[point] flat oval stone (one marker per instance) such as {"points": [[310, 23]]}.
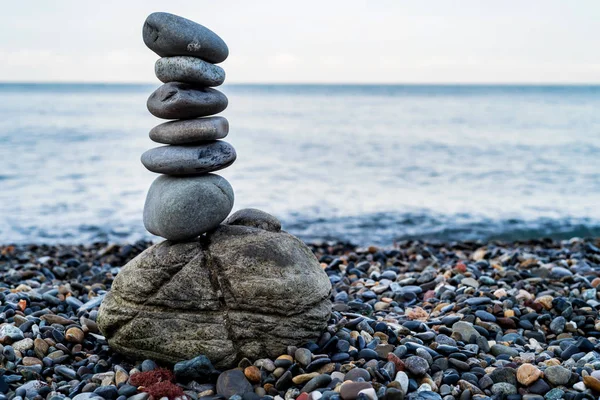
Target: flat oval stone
{"points": [[190, 159], [190, 130], [183, 208], [189, 70], [177, 100], [171, 35]]}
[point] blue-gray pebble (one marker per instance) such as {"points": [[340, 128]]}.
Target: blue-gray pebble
{"points": [[189, 70], [190, 130], [171, 35], [178, 100], [190, 159], [183, 208]]}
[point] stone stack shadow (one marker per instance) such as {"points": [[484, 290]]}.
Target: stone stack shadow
{"points": [[187, 200]]}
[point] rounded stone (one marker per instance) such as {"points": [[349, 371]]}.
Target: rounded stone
{"points": [[190, 130], [417, 365], [183, 208], [237, 292], [198, 368], [465, 330], [350, 390], [303, 356], [503, 389], [255, 218], [171, 35], [74, 335], [557, 375], [232, 382], [592, 383], [23, 345], [189, 70], [358, 373], [178, 100], [527, 374], [319, 381], [189, 159]]}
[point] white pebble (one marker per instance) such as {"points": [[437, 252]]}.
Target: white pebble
{"points": [[426, 387], [315, 395], [402, 378], [370, 393]]}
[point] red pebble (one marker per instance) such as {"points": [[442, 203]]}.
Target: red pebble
{"points": [[536, 306], [430, 294], [398, 363], [506, 322]]}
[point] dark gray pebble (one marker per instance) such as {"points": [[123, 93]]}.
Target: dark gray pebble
{"points": [[199, 368], [65, 371], [358, 373], [417, 365], [317, 382], [176, 100], [107, 392], [189, 70], [485, 316], [171, 35], [127, 390], [190, 130], [232, 382], [368, 354], [189, 159], [148, 365]]}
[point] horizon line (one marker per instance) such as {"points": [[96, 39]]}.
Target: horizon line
{"points": [[316, 83]]}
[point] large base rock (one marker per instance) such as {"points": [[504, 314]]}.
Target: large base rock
{"points": [[240, 291]]}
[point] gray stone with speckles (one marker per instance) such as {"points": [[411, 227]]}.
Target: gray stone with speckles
{"points": [[178, 100], [189, 159], [171, 35], [190, 130], [189, 70]]}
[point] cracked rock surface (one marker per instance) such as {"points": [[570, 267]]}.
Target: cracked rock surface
{"points": [[237, 292]]}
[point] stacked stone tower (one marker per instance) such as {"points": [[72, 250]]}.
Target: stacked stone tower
{"points": [[245, 289], [187, 200]]}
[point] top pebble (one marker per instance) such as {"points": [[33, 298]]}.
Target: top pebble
{"points": [[171, 35]]}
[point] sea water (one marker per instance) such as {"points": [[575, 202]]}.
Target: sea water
{"points": [[359, 163]]}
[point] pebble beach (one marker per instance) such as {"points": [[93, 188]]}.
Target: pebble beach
{"points": [[419, 320]]}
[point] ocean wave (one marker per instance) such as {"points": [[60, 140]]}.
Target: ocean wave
{"points": [[387, 228]]}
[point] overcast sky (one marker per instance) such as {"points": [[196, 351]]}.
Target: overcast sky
{"points": [[346, 41]]}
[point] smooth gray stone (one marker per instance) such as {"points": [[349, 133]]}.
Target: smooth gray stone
{"points": [[178, 100], [171, 35], [183, 208], [190, 130], [189, 70], [193, 159], [233, 382], [237, 292], [255, 218]]}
